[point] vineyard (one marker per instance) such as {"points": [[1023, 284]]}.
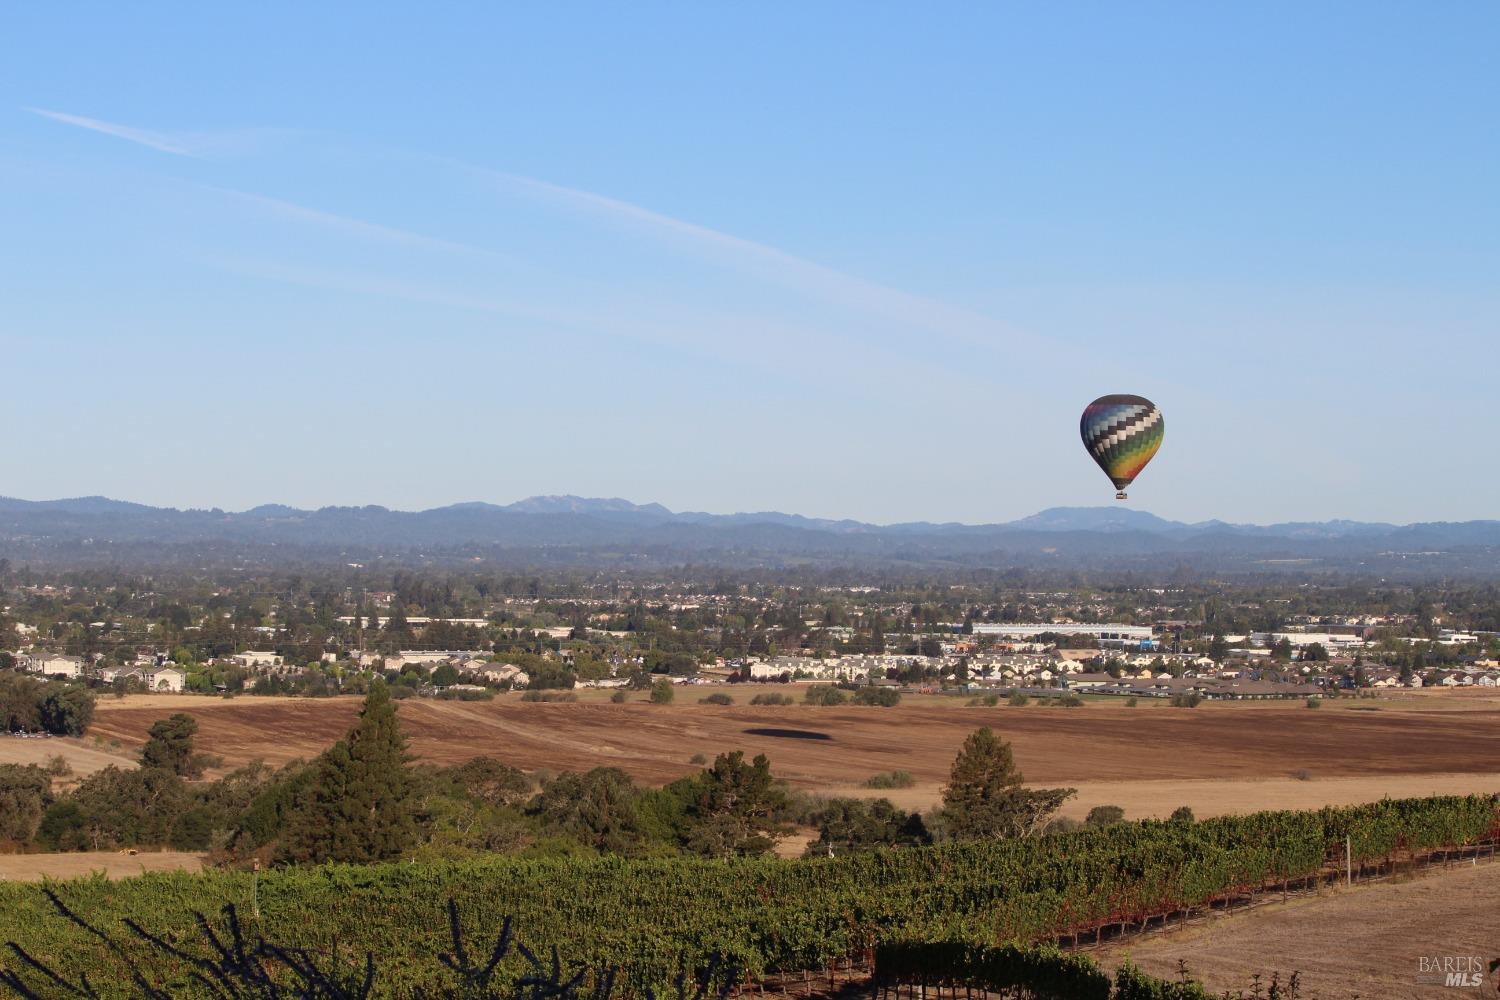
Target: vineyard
{"points": [[653, 917]]}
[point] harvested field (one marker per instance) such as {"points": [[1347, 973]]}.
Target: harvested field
{"points": [[82, 755], [1149, 759], [114, 864], [1361, 941]]}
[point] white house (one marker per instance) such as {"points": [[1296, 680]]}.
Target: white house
{"points": [[54, 665], [499, 673], [166, 679]]}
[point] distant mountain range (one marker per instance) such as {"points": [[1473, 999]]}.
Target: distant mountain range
{"points": [[583, 530]]}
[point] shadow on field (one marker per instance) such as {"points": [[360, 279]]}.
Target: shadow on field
{"points": [[789, 734]]}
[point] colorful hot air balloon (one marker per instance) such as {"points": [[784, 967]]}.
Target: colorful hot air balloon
{"points": [[1122, 433]]}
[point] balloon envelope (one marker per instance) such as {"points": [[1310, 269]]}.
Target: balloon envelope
{"points": [[1121, 432]]}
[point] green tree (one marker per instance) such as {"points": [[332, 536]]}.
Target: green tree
{"points": [[596, 808], [170, 746], [734, 809], [25, 794], [985, 796], [1104, 816], [846, 825], [662, 692], [359, 805], [487, 780], [65, 709]]}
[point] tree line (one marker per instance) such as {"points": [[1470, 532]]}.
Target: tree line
{"points": [[364, 800]]}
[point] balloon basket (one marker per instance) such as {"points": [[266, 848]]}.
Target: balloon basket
{"points": [[1121, 495]]}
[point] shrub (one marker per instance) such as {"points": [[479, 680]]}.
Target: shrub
{"points": [[1130, 702], [618, 698], [773, 699], [1302, 774], [662, 692], [824, 694], [697, 758], [882, 696], [1104, 816], [549, 696], [1190, 699], [717, 698], [1017, 698], [1314, 703], [1070, 700], [890, 779], [1182, 814]]}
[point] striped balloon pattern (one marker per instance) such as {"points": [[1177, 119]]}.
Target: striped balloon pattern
{"points": [[1122, 433]]}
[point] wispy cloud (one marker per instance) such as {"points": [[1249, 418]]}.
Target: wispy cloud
{"points": [[788, 269], [198, 145], [359, 228]]}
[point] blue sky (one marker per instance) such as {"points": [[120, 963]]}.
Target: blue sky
{"points": [[865, 260]]}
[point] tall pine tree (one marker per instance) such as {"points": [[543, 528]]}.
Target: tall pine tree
{"points": [[986, 797], [359, 806]]}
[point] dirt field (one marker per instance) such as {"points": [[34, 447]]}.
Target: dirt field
{"points": [[34, 867], [1364, 941], [83, 756], [1149, 759]]}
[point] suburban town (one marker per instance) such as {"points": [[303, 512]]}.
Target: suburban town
{"points": [[264, 639]]}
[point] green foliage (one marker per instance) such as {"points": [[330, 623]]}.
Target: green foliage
{"points": [[662, 692], [1182, 814], [734, 808], [846, 825], [358, 806], [985, 796], [1017, 698], [115, 808], [596, 808], [1133, 984], [1104, 816], [489, 781], [717, 698], [29, 705], [619, 698], [548, 696], [1190, 699], [25, 794], [884, 697], [169, 746], [667, 912], [773, 698], [1041, 973], [1314, 703], [890, 779], [824, 694]]}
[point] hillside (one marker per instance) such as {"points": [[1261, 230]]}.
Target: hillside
{"points": [[615, 532]]}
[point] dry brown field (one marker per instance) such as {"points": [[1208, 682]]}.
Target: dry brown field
{"points": [[113, 864], [1219, 757], [1362, 941]]}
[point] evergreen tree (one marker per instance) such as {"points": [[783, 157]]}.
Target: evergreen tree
{"points": [[734, 808], [985, 796], [170, 746], [359, 805]]}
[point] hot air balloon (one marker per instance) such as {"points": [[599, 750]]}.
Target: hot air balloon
{"points": [[1122, 433]]}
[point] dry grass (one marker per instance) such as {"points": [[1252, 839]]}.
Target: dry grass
{"points": [[1216, 758], [34, 867], [1362, 941]]}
